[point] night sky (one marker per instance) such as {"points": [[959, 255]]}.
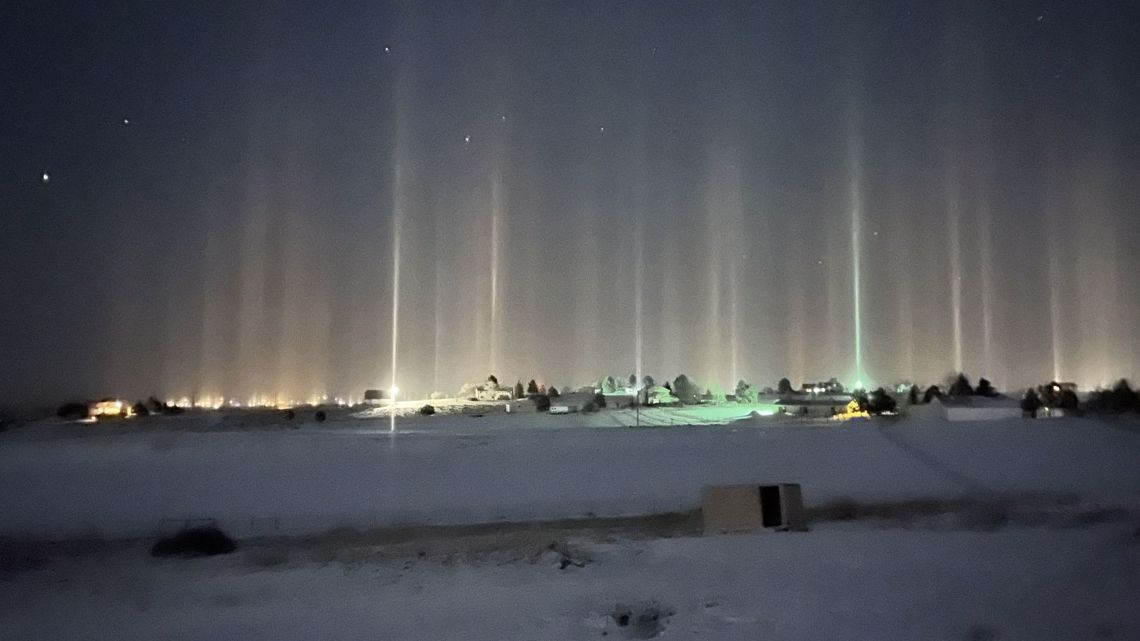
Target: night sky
{"points": [[211, 198]]}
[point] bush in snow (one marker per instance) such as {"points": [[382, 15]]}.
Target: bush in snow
{"points": [[427, 410], [72, 411], [193, 542]]}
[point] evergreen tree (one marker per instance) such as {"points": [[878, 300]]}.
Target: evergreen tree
{"points": [[519, 393], [531, 388], [931, 393], [985, 388], [961, 386], [912, 395], [687, 391], [784, 387], [745, 392], [553, 393]]}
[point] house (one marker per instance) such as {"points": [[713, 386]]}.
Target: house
{"points": [[492, 392], [570, 403], [824, 406], [976, 408], [830, 386]]}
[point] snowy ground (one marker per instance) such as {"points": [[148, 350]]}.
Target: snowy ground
{"points": [[851, 581], [1051, 553]]}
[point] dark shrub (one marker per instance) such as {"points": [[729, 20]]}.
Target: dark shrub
{"points": [[320, 416], [784, 387], [290, 415], [912, 395], [553, 393], [931, 393], [72, 411], [156, 406], [1121, 398], [600, 399], [140, 409], [1068, 400], [985, 388], [192, 542], [1031, 402], [427, 410], [541, 402], [961, 386], [880, 402], [686, 390]]}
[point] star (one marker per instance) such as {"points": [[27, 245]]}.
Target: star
{"points": [[45, 177], [126, 122], [503, 118], [602, 129], [387, 50], [467, 139], [1040, 18]]}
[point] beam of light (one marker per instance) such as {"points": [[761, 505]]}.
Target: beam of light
{"points": [[396, 215], [1053, 272], [638, 275], [496, 222], [734, 326], [855, 195], [985, 248], [954, 215]]}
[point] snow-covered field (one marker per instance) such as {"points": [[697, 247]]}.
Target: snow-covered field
{"points": [[458, 469], [1041, 578]]}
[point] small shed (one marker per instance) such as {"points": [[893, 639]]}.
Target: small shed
{"points": [[752, 507]]}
